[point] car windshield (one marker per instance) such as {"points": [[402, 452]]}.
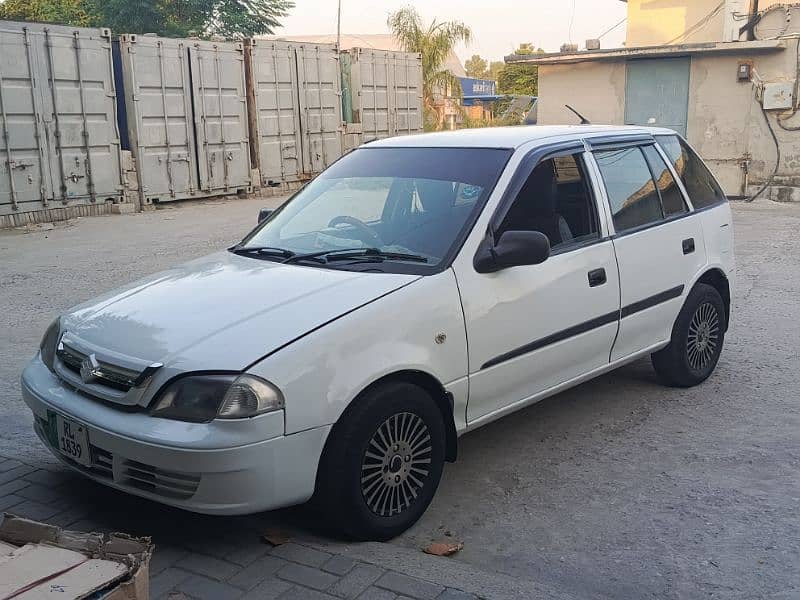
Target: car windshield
{"points": [[405, 208]]}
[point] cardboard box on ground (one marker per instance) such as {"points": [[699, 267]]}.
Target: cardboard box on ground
{"points": [[40, 561]]}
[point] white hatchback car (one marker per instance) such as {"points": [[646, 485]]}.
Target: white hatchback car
{"points": [[419, 288]]}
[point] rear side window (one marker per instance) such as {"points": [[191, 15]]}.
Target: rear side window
{"points": [[671, 196], [631, 190], [700, 184]]}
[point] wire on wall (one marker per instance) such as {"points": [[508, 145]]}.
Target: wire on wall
{"points": [[700, 24]]}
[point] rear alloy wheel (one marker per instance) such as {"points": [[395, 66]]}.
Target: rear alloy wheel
{"points": [[383, 462], [697, 340]]}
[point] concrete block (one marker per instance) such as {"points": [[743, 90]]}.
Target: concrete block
{"points": [[204, 588], [409, 586], [301, 554], [307, 576], [356, 581]]}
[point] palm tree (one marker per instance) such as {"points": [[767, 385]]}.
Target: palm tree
{"points": [[434, 42]]}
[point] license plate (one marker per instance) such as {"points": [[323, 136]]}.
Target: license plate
{"points": [[73, 441]]}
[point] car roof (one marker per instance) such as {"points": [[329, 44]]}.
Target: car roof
{"points": [[510, 137]]}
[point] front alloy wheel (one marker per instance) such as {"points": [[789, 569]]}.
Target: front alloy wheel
{"points": [[396, 464], [382, 462]]}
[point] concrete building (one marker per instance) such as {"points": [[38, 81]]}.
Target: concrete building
{"points": [[722, 73]]}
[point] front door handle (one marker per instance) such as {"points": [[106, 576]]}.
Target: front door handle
{"points": [[597, 277], [688, 246]]}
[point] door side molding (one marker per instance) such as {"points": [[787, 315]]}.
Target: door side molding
{"points": [[587, 326]]}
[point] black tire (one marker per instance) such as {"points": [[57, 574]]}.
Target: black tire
{"points": [[412, 416], [697, 340]]}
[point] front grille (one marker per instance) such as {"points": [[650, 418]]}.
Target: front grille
{"points": [[113, 376], [171, 484], [129, 473]]}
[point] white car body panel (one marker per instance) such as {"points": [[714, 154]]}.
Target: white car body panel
{"points": [[324, 371], [323, 336]]}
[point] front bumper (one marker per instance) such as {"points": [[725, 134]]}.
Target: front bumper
{"points": [[178, 463]]}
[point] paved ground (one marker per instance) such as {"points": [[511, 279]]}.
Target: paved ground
{"points": [[617, 489]]}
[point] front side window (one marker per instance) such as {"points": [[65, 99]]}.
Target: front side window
{"points": [[555, 201], [700, 184], [406, 208], [632, 193]]}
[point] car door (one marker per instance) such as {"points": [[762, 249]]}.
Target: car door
{"points": [[658, 241], [532, 328]]}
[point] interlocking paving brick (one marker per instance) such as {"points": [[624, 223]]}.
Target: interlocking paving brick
{"points": [[451, 594], [305, 594], [164, 557], [300, 554], [6, 464], [254, 574], [12, 486], [40, 493], [373, 593], [69, 517], [165, 581], [9, 501], [339, 565], [35, 510], [307, 576], [15, 473], [204, 588], [208, 566], [246, 552], [410, 586], [47, 477], [356, 581], [269, 589]]}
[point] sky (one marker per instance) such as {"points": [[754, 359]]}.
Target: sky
{"points": [[498, 25]]}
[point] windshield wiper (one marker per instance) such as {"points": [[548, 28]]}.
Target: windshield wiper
{"points": [[263, 251], [361, 254]]}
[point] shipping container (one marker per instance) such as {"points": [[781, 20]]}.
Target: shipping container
{"points": [[295, 109], [383, 93], [186, 114], [59, 141]]}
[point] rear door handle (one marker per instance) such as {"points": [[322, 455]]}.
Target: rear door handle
{"points": [[597, 277], [688, 246]]}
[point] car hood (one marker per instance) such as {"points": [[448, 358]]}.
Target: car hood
{"points": [[221, 312]]}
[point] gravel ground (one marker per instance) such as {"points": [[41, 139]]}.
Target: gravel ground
{"points": [[619, 488]]}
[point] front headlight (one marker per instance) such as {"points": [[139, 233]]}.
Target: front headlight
{"points": [[49, 343], [203, 398]]}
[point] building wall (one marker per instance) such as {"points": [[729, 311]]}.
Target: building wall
{"points": [[726, 124], [658, 22]]}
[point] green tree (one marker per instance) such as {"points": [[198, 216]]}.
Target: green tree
{"points": [[72, 12], [477, 67], [520, 78], [175, 18], [434, 41], [494, 69]]}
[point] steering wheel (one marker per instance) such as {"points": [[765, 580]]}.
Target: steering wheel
{"points": [[371, 234]]}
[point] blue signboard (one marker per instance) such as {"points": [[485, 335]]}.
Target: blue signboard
{"points": [[474, 88]]}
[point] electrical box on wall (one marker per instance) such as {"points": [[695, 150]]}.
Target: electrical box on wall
{"points": [[778, 96]]}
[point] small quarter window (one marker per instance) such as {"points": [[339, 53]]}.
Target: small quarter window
{"points": [[631, 190], [671, 196], [556, 201], [700, 184]]}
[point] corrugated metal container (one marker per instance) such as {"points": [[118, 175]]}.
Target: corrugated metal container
{"points": [[385, 92], [59, 141], [186, 116], [295, 109]]}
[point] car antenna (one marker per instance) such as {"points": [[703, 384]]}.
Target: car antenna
{"points": [[584, 120]]}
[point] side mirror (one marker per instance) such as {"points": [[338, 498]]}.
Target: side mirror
{"points": [[264, 214], [514, 249]]}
